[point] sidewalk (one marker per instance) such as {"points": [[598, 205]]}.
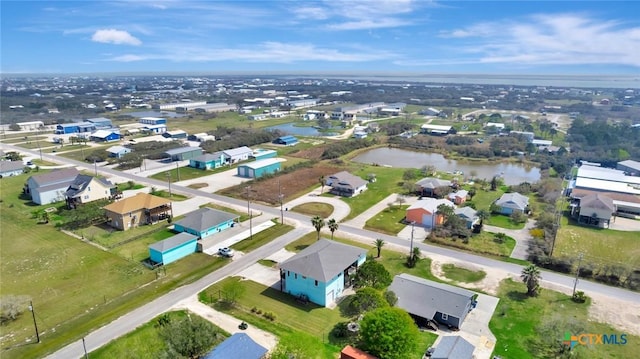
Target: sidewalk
{"points": [[363, 217]]}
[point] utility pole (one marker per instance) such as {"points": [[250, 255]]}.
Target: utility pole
{"points": [[411, 246], [248, 200], [84, 346], [35, 324], [575, 283], [250, 212], [280, 196], [95, 166], [169, 178], [178, 171]]}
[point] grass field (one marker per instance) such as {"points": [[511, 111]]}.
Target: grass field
{"points": [[79, 155], [459, 274], [386, 183], [482, 243], [262, 238], [502, 221], [388, 221], [186, 173], [145, 342], [517, 325], [600, 246], [323, 210]]}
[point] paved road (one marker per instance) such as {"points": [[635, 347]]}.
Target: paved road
{"points": [[143, 314]]}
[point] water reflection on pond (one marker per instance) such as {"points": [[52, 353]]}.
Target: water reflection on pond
{"points": [[300, 131], [513, 173]]}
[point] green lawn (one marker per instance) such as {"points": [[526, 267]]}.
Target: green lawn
{"points": [[125, 186], [79, 155], [482, 243], [21, 138], [323, 210], [39, 162], [109, 237], [388, 221], [600, 246], [165, 194], [502, 221], [387, 180], [517, 321], [186, 173], [262, 238], [145, 342], [459, 274]]}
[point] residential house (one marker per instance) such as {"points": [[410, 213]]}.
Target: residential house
{"points": [[595, 209], [118, 151], [286, 141], [205, 221], [459, 197], [427, 186], [11, 168], [469, 215], [439, 130], [239, 345], [50, 187], [629, 166], [345, 184], [208, 161], [183, 153], [453, 347], [238, 154], [173, 248], [424, 212], [138, 210], [259, 168], [427, 300], [101, 122], [350, 352], [154, 129], [76, 127], [105, 136], [85, 189], [322, 271], [512, 202]]}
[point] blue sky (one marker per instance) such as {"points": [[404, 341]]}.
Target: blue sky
{"points": [[504, 37]]}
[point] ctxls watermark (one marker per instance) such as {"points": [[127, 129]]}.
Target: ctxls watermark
{"points": [[594, 339]]}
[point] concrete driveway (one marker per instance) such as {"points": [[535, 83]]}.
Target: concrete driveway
{"points": [[217, 181], [520, 235], [340, 208], [624, 224]]}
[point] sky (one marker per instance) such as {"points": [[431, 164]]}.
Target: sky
{"points": [[333, 36]]}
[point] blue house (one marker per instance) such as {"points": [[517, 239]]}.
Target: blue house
{"points": [[260, 168], [469, 215], [239, 345], [77, 127], [208, 161], [509, 203], [205, 221], [427, 300], [173, 248], [321, 271], [262, 154], [286, 140]]}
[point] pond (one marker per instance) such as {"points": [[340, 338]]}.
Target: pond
{"points": [[300, 131], [513, 173]]}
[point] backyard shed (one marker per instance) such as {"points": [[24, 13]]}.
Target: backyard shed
{"points": [[173, 248], [259, 168]]}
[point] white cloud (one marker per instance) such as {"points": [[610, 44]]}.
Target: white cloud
{"points": [[267, 52], [547, 39], [113, 36]]}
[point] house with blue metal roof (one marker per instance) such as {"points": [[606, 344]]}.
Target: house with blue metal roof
{"points": [[239, 345], [105, 136], [76, 127], [173, 248], [286, 141]]}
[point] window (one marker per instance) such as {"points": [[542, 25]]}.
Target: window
{"points": [[445, 316], [316, 283], [303, 277], [288, 274], [295, 275]]}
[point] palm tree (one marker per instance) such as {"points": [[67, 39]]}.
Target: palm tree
{"points": [[531, 277], [318, 222], [379, 244], [322, 183], [483, 214], [333, 226]]}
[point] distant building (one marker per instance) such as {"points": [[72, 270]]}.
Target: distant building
{"points": [[175, 135], [105, 136], [153, 121], [183, 153], [629, 166], [155, 129], [261, 154], [78, 127], [118, 151], [101, 122], [438, 130], [286, 141]]}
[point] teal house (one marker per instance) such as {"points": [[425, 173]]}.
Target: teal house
{"points": [[205, 222], [173, 248], [259, 168], [208, 161], [322, 271], [262, 154]]}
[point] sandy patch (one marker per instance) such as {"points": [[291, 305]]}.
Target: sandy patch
{"points": [[489, 284]]}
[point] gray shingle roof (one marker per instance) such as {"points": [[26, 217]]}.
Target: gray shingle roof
{"points": [[597, 201], [345, 179], [81, 182], [55, 177], [465, 212], [323, 260], [181, 150], [172, 242], [205, 218], [433, 183], [10, 166], [453, 347], [424, 298], [513, 200]]}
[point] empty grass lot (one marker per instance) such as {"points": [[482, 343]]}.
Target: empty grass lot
{"points": [[482, 243], [600, 246], [186, 173], [323, 210], [459, 274], [517, 321], [388, 221], [387, 180], [502, 221], [145, 342]]}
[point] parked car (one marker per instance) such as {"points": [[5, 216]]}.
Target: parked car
{"points": [[429, 353], [226, 252]]}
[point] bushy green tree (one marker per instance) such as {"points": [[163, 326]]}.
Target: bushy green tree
{"points": [[372, 274], [366, 299], [389, 333], [190, 337]]}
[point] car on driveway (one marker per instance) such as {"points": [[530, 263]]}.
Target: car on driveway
{"points": [[226, 252]]}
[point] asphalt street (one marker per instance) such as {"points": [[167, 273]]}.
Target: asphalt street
{"points": [[145, 313]]}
